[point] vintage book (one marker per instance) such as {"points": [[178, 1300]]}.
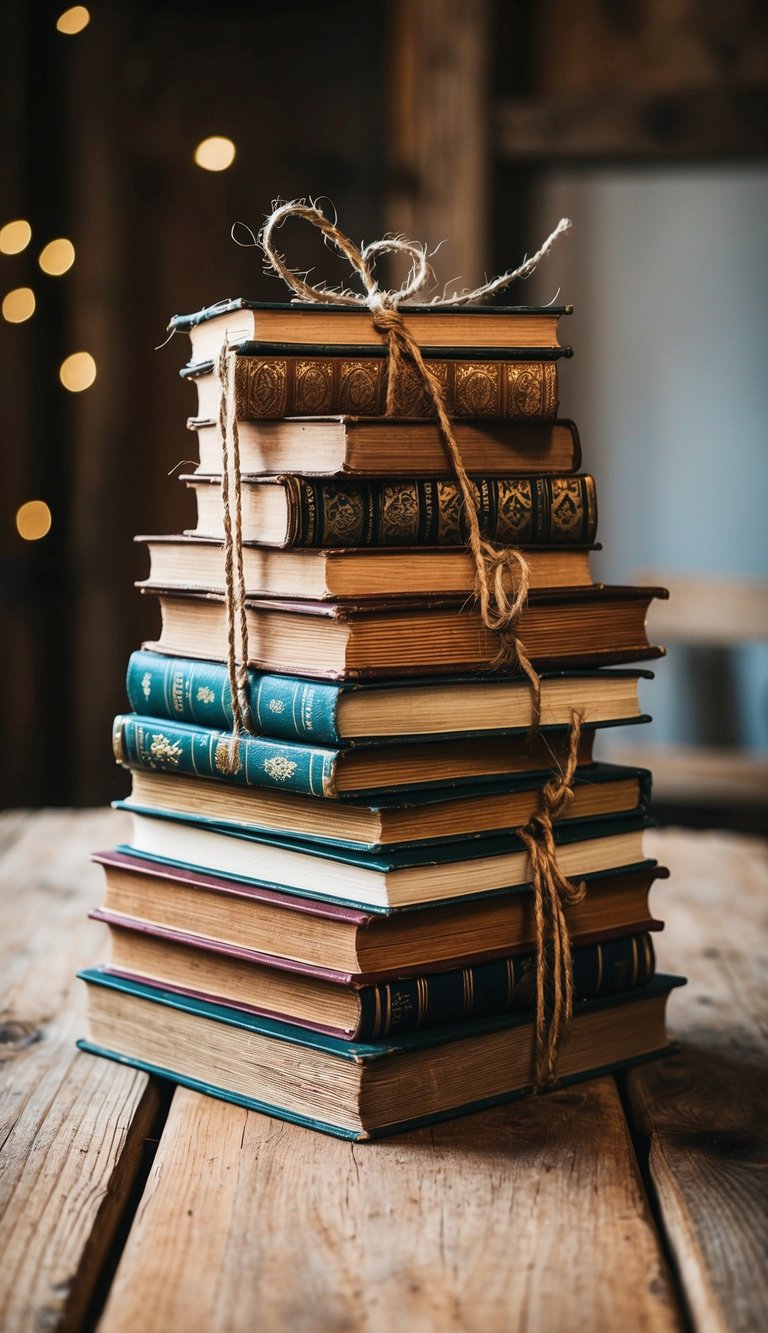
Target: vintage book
{"points": [[372, 945], [283, 381], [344, 714], [602, 626], [350, 446], [315, 512], [197, 564], [391, 878], [334, 1002], [432, 814], [354, 1089], [232, 323], [183, 747]]}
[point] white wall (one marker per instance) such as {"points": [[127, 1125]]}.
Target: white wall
{"points": [[668, 272]]}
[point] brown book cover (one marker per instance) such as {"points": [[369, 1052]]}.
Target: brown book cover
{"points": [[379, 637]]}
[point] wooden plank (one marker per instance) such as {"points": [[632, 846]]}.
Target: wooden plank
{"points": [[531, 1216], [705, 1113], [620, 126], [697, 773], [439, 128], [72, 1127]]}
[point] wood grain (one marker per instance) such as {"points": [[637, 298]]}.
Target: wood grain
{"points": [[527, 1217], [705, 1113], [72, 1128], [439, 133]]}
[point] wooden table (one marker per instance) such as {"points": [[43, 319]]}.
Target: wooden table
{"points": [[633, 1205]]}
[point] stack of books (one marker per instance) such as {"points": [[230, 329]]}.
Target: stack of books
{"points": [[339, 927]]}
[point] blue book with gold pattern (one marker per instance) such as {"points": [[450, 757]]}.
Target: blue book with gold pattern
{"points": [[350, 714]]}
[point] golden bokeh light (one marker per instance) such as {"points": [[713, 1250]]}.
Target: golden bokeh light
{"points": [[57, 256], [33, 520], [19, 305], [73, 20], [15, 237], [78, 372], [215, 154]]}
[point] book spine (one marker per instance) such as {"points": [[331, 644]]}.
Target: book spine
{"points": [[173, 747], [271, 387], [498, 987], [198, 692], [515, 511]]}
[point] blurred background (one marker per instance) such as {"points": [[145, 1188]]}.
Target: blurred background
{"points": [[137, 133]]}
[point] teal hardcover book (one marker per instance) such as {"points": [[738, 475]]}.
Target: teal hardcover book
{"points": [[395, 819], [353, 1089], [334, 714], [393, 878], [259, 761]]}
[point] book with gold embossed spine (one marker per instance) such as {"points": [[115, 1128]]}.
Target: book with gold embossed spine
{"points": [[312, 512], [283, 381]]}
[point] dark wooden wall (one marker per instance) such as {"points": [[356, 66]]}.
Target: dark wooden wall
{"points": [[435, 117], [105, 125]]}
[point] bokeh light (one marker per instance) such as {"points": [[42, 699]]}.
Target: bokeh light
{"points": [[57, 256], [78, 372], [73, 20], [215, 154], [19, 305], [33, 520], [15, 237]]}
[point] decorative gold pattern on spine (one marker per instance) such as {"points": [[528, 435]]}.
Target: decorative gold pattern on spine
{"points": [[648, 956], [510, 982], [421, 1000], [117, 741], [274, 387]]}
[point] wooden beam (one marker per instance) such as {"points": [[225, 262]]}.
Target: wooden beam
{"points": [[705, 1113], [532, 1215], [613, 126], [439, 131], [73, 1128]]}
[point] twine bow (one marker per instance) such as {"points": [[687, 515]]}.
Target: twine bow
{"points": [[501, 573]]}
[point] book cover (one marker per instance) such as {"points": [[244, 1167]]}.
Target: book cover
{"points": [[404, 1003], [299, 709], [514, 511], [284, 381], [360, 1054]]}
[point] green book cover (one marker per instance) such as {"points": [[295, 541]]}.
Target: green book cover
{"points": [[293, 708]]}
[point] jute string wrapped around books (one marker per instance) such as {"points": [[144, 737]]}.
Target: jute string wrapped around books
{"points": [[501, 573]]}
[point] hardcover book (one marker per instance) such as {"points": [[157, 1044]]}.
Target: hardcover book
{"points": [[359, 1090], [351, 713], [302, 511], [601, 626], [352, 446], [284, 381], [344, 1006], [430, 814], [391, 878], [181, 747], [370, 944], [197, 564], [232, 323]]}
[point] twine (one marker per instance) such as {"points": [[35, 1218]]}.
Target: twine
{"points": [[500, 597], [552, 894], [234, 576]]}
